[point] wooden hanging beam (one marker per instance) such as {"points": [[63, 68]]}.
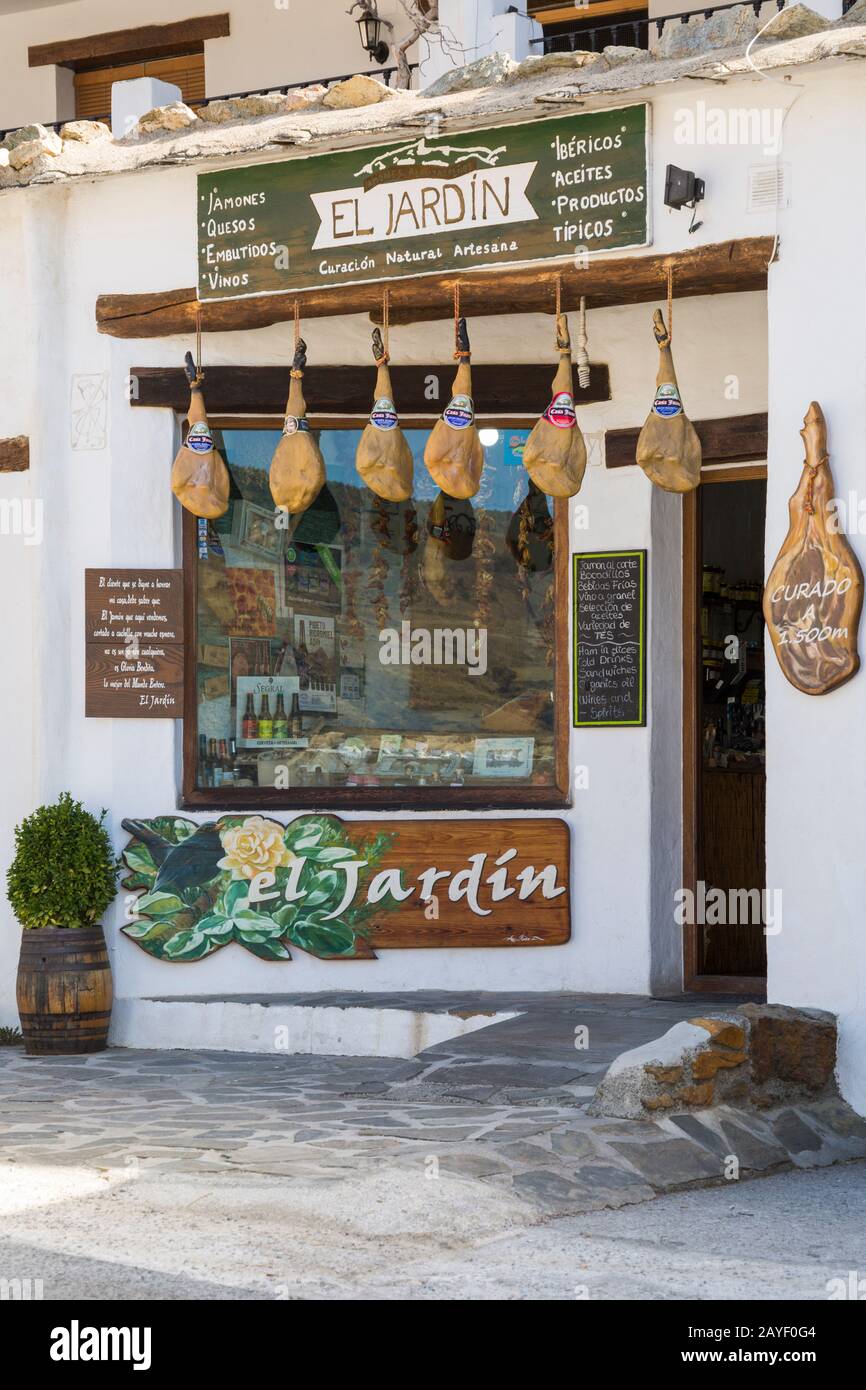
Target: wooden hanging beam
{"points": [[730, 439], [131, 45], [724, 268], [499, 390], [15, 454]]}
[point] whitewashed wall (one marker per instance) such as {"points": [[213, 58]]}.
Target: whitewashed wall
{"points": [[114, 507], [272, 42], [816, 753]]}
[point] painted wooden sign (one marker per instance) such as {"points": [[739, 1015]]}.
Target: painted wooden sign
{"points": [[343, 891], [533, 191], [610, 638], [814, 594], [133, 644]]}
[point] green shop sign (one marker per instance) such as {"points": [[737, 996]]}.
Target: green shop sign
{"points": [[540, 190]]}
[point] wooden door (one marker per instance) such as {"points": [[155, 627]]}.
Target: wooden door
{"points": [[723, 806]]}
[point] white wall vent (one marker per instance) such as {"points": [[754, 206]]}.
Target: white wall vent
{"points": [[769, 187]]}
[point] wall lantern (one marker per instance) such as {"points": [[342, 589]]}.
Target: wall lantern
{"points": [[371, 28]]}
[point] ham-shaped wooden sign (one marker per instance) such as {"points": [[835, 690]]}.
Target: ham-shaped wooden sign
{"points": [[814, 594]]}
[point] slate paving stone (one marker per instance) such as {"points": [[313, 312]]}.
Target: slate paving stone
{"points": [[668, 1162], [795, 1134], [572, 1144], [708, 1138], [524, 1153], [471, 1165], [752, 1150], [838, 1117]]}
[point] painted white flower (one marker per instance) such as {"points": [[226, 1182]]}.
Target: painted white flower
{"points": [[253, 848]]}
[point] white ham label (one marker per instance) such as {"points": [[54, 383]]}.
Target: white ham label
{"points": [[293, 424], [459, 413], [199, 439], [384, 414], [561, 412], [667, 400]]}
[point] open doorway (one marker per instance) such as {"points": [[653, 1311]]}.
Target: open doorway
{"points": [[725, 731]]}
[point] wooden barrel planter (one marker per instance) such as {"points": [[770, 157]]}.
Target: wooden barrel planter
{"points": [[64, 990]]}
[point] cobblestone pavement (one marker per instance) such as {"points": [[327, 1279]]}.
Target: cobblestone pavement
{"points": [[504, 1107], [196, 1175]]}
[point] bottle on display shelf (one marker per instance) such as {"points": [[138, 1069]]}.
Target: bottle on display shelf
{"points": [[216, 774], [295, 723], [250, 725], [281, 723], [266, 723], [302, 657]]}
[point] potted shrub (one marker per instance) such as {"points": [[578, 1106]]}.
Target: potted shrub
{"points": [[61, 881]]}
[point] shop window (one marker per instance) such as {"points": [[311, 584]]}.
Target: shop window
{"points": [[369, 653], [93, 88]]}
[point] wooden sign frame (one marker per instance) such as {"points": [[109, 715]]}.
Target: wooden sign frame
{"points": [[641, 719]]}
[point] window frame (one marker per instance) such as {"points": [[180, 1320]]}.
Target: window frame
{"points": [[377, 798]]}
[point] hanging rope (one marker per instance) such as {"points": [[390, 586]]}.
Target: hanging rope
{"points": [[457, 352], [582, 354], [297, 324], [386, 308], [670, 276], [558, 295], [199, 374]]}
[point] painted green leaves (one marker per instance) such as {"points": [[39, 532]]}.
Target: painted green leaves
{"points": [[252, 881]]}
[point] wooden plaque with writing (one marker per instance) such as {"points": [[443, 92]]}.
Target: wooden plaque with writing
{"points": [[133, 667]]}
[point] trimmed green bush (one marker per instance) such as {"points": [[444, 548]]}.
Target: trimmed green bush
{"points": [[64, 871]]}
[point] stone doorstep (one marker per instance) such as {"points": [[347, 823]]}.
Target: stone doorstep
{"points": [[756, 1056]]}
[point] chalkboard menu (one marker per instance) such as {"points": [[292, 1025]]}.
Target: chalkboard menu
{"points": [[133, 666], [610, 638]]}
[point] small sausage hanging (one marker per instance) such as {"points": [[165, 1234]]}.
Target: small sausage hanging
{"points": [[199, 478], [383, 458], [668, 450], [555, 452], [453, 453], [814, 594], [297, 473]]}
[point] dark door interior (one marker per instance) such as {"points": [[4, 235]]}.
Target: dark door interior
{"points": [[731, 725]]}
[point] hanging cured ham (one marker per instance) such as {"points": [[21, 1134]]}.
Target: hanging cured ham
{"points": [[199, 478], [447, 567], [555, 452], [384, 459], [453, 453], [297, 473], [668, 450], [814, 594]]}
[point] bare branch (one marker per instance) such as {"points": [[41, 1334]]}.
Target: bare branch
{"points": [[422, 23]]}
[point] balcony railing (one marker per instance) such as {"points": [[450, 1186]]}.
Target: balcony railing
{"points": [[638, 33], [384, 75]]}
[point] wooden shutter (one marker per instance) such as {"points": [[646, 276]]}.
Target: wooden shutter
{"points": [[93, 89]]}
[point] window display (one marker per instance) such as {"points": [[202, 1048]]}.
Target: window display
{"points": [[370, 644]]}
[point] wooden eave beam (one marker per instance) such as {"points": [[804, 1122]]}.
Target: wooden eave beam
{"points": [[132, 45], [728, 439], [15, 454], [722, 268], [499, 390]]}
